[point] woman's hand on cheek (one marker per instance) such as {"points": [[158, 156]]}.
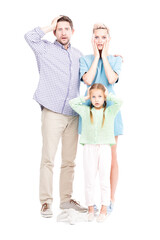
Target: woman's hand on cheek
{"points": [[105, 48], [95, 49]]}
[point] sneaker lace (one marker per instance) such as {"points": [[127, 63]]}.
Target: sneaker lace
{"points": [[44, 207], [74, 202]]}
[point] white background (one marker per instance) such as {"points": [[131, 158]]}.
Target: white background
{"points": [[134, 28]]}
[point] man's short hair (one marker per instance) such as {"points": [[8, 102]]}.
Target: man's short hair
{"points": [[66, 19]]}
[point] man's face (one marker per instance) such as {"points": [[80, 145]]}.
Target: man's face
{"points": [[63, 33], [100, 37]]}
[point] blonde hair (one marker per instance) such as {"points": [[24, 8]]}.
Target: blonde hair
{"points": [[100, 26], [101, 87]]}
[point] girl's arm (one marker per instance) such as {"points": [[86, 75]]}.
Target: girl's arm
{"points": [[77, 106], [117, 103]]}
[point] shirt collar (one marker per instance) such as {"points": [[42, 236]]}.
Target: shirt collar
{"points": [[60, 45], [93, 109]]}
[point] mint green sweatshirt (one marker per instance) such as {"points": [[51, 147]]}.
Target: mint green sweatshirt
{"points": [[94, 133]]}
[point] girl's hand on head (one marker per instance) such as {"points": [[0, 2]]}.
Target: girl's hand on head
{"points": [[106, 92], [88, 94]]}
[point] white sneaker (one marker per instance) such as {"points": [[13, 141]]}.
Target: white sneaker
{"points": [[46, 210], [74, 205], [101, 217], [90, 217]]}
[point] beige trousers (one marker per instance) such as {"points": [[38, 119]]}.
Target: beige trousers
{"points": [[57, 126]]}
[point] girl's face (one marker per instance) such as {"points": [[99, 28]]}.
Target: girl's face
{"points": [[97, 98], [100, 37]]}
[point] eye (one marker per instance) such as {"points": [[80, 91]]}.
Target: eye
{"points": [[93, 96], [104, 37], [96, 37]]}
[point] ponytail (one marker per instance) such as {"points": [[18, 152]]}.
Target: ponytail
{"points": [[105, 105], [91, 115]]}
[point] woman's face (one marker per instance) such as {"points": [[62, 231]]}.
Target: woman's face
{"points": [[100, 37]]}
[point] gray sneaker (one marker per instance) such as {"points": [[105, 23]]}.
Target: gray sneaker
{"points": [[73, 204], [46, 210]]}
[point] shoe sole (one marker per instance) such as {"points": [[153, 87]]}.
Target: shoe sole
{"points": [[101, 221], [46, 215], [81, 211]]}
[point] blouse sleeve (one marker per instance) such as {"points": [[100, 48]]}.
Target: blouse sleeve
{"points": [[117, 66], [83, 67]]}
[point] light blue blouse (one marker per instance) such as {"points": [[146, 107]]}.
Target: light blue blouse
{"points": [[100, 77]]}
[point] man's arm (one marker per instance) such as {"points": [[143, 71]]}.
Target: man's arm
{"points": [[51, 27], [34, 37]]}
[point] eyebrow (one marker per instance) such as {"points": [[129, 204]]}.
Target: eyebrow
{"points": [[101, 36]]}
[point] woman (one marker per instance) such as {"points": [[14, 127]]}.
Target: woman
{"points": [[104, 68]]}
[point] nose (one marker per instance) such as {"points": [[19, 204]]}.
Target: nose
{"points": [[63, 32]]}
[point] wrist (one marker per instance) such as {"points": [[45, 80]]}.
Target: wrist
{"points": [[96, 57], [47, 29], [86, 98], [104, 56]]}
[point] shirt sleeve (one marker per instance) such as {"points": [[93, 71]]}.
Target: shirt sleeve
{"points": [[77, 106], [33, 38], [83, 67], [117, 103], [117, 66]]}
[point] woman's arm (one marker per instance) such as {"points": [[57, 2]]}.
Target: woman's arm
{"points": [[90, 75], [110, 74]]}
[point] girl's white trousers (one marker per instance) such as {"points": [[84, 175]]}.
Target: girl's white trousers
{"points": [[97, 157]]}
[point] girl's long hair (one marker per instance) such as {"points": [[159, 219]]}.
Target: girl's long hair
{"points": [[101, 87]]}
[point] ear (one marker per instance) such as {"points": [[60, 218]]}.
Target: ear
{"points": [[54, 32], [73, 31]]}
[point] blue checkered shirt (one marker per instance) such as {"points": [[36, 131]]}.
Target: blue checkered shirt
{"points": [[59, 73]]}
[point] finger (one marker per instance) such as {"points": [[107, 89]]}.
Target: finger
{"points": [[92, 40], [56, 18]]}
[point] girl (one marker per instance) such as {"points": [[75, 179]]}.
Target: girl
{"points": [[97, 135], [100, 67]]}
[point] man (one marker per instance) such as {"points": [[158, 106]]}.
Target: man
{"points": [[58, 65]]}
